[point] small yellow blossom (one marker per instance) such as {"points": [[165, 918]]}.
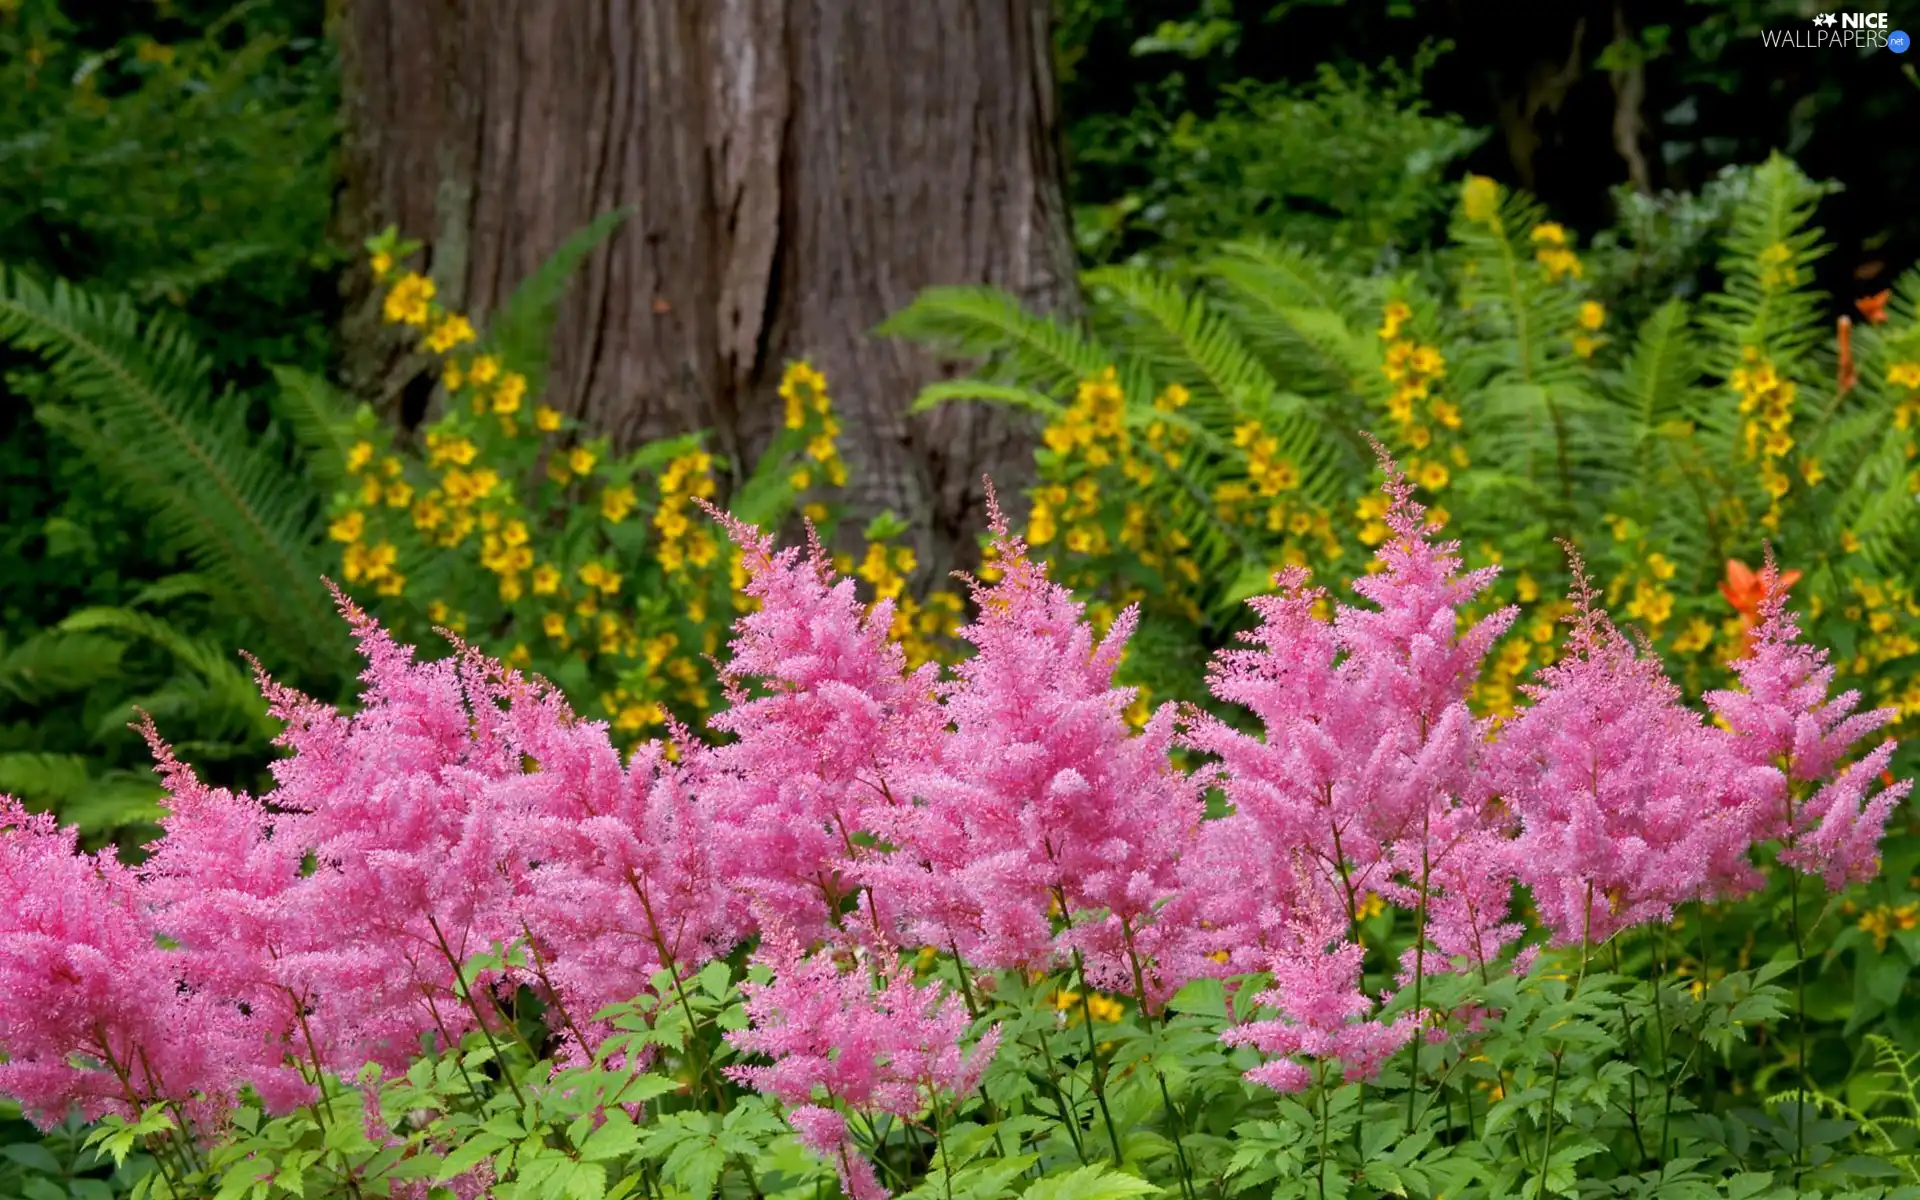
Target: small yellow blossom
{"points": [[546, 419], [1593, 314], [455, 330], [617, 502], [349, 527], [409, 303], [1480, 198], [580, 460], [359, 456]]}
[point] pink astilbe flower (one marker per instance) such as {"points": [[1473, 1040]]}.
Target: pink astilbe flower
{"points": [[1044, 797], [836, 1037], [627, 883], [93, 1014], [1791, 736], [815, 758], [1323, 1016], [1371, 774], [216, 882], [406, 838], [1627, 803]]}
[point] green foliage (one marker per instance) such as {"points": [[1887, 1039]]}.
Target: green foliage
{"points": [[1577, 1078], [1350, 166], [1500, 383]]}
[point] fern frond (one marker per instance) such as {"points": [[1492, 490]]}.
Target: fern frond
{"points": [[976, 322], [946, 391], [1767, 301], [320, 419], [50, 663], [136, 402]]}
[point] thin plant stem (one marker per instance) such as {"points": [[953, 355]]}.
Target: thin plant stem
{"points": [[1559, 1055], [466, 997], [1068, 1114], [1633, 1083], [1419, 975]]}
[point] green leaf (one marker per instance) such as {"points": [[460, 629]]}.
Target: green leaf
{"points": [[617, 1137], [1093, 1182]]}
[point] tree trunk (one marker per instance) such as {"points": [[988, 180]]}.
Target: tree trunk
{"points": [[797, 169]]}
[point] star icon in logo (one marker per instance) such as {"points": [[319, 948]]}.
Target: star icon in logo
{"points": [[1825, 19]]}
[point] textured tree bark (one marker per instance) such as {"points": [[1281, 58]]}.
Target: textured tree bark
{"points": [[798, 169]]}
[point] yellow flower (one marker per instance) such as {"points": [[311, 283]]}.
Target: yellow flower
{"points": [[451, 378], [1396, 314], [1433, 476], [1593, 314], [1904, 374], [399, 494], [454, 331], [545, 419], [1584, 346], [1661, 566], [359, 456], [804, 389], [1480, 197], [1694, 637], [512, 390], [617, 502], [1811, 472], [546, 579], [410, 300], [580, 460], [349, 527], [1550, 233], [554, 625], [1427, 360], [382, 262], [484, 369], [510, 588], [427, 514]]}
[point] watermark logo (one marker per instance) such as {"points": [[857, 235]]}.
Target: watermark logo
{"points": [[1841, 31]]}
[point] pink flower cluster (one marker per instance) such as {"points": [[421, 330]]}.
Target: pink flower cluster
{"points": [[858, 810]]}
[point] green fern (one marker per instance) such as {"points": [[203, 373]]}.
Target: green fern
{"points": [[135, 397]]}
